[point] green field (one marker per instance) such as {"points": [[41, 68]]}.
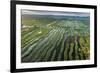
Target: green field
{"points": [[44, 40]]}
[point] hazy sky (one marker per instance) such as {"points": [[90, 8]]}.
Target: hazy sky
{"points": [[30, 12]]}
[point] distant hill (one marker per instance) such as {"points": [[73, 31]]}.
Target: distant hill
{"points": [[26, 16]]}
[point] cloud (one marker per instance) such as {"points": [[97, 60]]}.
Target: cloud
{"points": [[55, 13]]}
